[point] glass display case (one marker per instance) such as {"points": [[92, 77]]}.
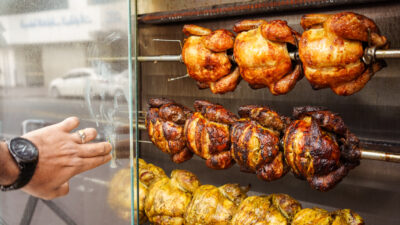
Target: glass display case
{"points": [[103, 60], [59, 59]]}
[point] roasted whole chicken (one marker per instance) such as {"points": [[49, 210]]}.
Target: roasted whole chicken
{"points": [[317, 216], [262, 55], [168, 199], [165, 122], [319, 148], [119, 195], [211, 205], [207, 132], [206, 60], [255, 142], [331, 49], [275, 209], [181, 200]]}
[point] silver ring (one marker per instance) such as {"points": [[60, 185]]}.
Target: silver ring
{"points": [[82, 134]]}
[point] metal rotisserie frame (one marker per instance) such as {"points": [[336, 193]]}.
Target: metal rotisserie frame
{"points": [[372, 114]]}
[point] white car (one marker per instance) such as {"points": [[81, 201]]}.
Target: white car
{"points": [[81, 82]]}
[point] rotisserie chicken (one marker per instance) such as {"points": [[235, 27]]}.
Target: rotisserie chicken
{"points": [[208, 135], [165, 122], [331, 49], [319, 147], [181, 200], [168, 199], [261, 53], [211, 205], [346, 217], [275, 209], [255, 142], [119, 195], [317, 216], [206, 60]]}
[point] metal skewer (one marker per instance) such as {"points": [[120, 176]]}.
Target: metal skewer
{"points": [[365, 154], [378, 54], [381, 156], [387, 54], [178, 78]]}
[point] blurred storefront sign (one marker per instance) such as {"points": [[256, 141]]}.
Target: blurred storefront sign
{"points": [[55, 26]]}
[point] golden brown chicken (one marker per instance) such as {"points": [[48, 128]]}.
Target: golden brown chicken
{"points": [[317, 216], [119, 195], [255, 142], [346, 217], [262, 55], [319, 148], [314, 216], [168, 199], [206, 60], [275, 209], [211, 205], [165, 121], [331, 49], [207, 134]]}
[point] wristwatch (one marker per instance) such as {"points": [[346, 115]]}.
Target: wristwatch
{"points": [[26, 155]]}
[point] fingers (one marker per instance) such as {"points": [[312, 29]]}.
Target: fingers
{"points": [[90, 163], [86, 135], [94, 149], [69, 124]]}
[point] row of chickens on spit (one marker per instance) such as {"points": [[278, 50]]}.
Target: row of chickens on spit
{"points": [[181, 199], [315, 144], [330, 50]]}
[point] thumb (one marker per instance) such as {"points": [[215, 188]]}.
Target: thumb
{"points": [[68, 124]]}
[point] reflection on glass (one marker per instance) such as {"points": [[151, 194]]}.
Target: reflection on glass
{"points": [[61, 58]]}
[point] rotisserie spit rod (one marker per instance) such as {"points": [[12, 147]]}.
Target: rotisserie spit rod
{"points": [[377, 54], [365, 154], [381, 156]]}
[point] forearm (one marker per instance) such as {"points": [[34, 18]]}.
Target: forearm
{"points": [[8, 168]]}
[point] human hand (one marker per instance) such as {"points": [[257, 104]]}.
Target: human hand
{"points": [[62, 155]]}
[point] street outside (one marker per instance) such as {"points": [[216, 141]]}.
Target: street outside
{"points": [[19, 104], [88, 191]]}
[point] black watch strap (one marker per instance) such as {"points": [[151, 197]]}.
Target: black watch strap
{"points": [[25, 175], [26, 163]]}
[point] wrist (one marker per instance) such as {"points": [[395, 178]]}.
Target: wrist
{"points": [[9, 170]]}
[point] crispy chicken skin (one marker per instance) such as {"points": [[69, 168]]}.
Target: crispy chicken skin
{"points": [[119, 195], [207, 132], [214, 205], [331, 49], [255, 142], [317, 216], [206, 60], [261, 53], [346, 217], [314, 216], [319, 148], [168, 199], [275, 209], [165, 121]]}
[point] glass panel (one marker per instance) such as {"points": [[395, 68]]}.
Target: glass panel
{"points": [[69, 58]]}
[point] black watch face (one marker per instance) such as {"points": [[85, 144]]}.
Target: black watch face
{"points": [[24, 149]]}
